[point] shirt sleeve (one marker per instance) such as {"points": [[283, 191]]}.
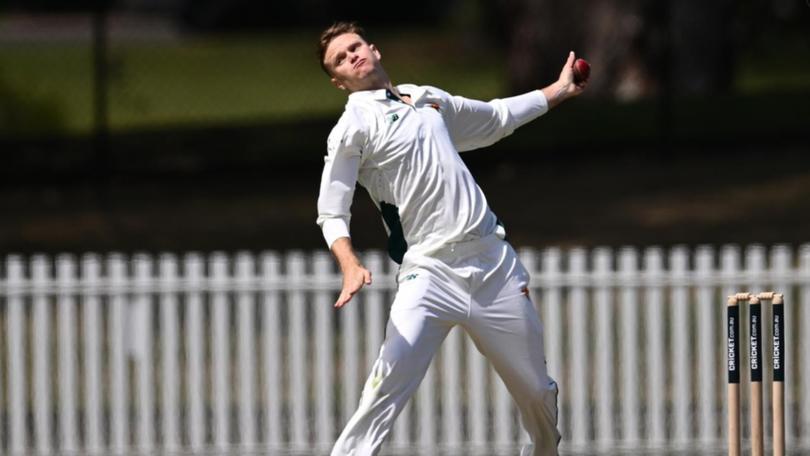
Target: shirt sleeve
{"points": [[474, 124], [340, 171]]}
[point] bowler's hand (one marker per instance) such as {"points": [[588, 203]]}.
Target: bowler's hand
{"points": [[564, 88], [354, 278], [567, 77]]}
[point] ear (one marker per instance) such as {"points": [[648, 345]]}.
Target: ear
{"points": [[337, 83], [375, 51]]}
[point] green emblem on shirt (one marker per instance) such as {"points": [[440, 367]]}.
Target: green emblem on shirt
{"points": [[393, 118]]}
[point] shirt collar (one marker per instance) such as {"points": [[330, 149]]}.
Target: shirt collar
{"points": [[414, 91]]}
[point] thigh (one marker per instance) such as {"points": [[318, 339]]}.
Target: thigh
{"points": [[509, 333], [421, 316]]}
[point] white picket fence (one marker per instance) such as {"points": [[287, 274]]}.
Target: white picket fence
{"points": [[193, 353]]}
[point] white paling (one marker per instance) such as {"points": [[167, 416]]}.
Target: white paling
{"points": [[605, 360], [708, 373], [195, 345], [297, 338], [142, 351], [681, 348], [656, 371], [42, 375], [119, 373], [630, 317], [220, 324], [476, 399], [324, 431], [272, 350], [66, 343], [579, 336], [245, 301], [91, 273], [169, 330], [16, 356], [451, 400], [551, 303]]}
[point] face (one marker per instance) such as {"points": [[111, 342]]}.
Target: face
{"points": [[354, 64]]}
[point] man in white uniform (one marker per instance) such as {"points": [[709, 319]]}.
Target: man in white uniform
{"points": [[402, 144]]}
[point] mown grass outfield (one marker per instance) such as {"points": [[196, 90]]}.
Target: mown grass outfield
{"points": [[222, 80], [226, 80]]}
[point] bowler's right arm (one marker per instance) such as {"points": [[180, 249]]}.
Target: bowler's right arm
{"points": [[339, 178]]}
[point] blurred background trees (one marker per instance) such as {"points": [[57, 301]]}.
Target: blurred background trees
{"points": [[201, 123]]}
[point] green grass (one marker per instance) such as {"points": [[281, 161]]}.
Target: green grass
{"points": [[48, 87], [219, 81]]}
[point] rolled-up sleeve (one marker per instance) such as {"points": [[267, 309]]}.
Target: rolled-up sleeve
{"points": [[339, 178], [474, 124]]}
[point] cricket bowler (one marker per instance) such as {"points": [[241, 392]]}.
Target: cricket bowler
{"points": [[402, 143]]}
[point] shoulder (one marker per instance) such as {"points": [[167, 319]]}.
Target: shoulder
{"points": [[354, 127]]}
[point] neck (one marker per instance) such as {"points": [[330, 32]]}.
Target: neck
{"points": [[380, 80]]}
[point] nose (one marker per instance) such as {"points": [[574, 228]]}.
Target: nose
{"points": [[353, 58]]}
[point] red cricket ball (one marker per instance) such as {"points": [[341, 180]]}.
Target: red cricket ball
{"points": [[582, 71]]}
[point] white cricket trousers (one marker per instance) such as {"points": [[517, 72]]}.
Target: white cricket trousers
{"points": [[481, 286]]}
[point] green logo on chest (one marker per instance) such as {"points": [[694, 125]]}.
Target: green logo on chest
{"points": [[393, 118]]}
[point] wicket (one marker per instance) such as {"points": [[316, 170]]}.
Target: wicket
{"points": [[755, 359]]}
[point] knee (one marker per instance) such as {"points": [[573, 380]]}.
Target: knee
{"points": [[543, 394]]}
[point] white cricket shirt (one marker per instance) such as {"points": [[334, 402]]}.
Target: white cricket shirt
{"points": [[407, 158]]}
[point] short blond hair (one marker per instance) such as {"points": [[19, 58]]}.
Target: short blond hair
{"points": [[335, 30]]}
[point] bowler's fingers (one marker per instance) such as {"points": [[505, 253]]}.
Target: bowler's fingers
{"points": [[567, 73], [350, 289], [345, 297]]}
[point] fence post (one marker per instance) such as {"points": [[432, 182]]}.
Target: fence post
{"points": [[297, 351], [579, 337], [451, 400], [246, 308], [708, 378], [169, 330], [628, 338], [220, 350], [655, 315], [15, 281], [604, 317], [43, 373], [118, 334], [195, 347], [66, 333], [91, 273], [552, 280], [272, 350], [681, 349], [324, 378], [141, 316]]}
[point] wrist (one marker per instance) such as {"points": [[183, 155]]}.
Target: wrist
{"points": [[350, 265], [555, 93]]}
